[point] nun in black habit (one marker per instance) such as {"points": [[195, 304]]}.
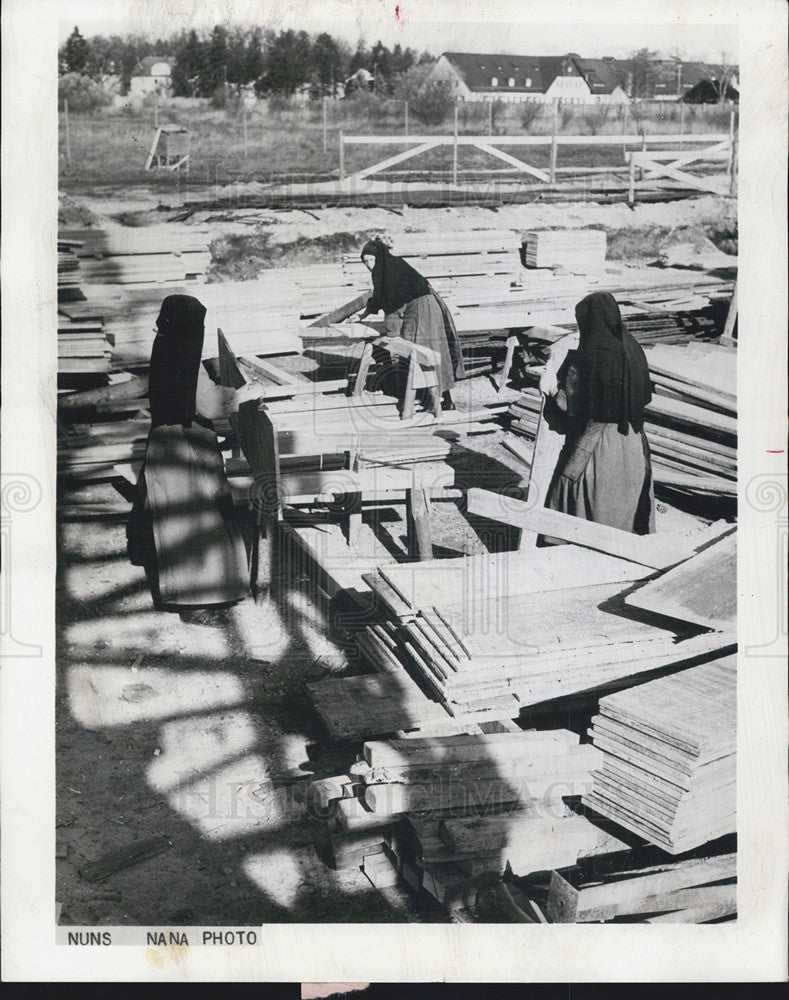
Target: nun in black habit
{"points": [[181, 527], [413, 311], [604, 473]]}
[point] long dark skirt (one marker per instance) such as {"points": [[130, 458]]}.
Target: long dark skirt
{"points": [[181, 527], [427, 321], [605, 476]]}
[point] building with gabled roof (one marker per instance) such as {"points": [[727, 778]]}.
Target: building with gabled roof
{"points": [[152, 75], [487, 76]]}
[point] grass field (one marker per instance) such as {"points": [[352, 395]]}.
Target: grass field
{"points": [[109, 148]]}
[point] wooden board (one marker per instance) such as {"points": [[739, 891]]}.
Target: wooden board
{"points": [[569, 904], [376, 704], [657, 551], [702, 590]]}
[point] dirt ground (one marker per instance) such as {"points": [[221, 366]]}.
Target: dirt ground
{"points": [[199, 733]]}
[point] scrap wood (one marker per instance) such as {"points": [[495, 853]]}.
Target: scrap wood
{"points": [[663, 888], [125, 857], [136, 385]]}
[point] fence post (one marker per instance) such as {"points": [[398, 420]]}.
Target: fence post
{"points": [[731, 145], [681, 121], [733, 182], [156, 110], [631, 185], [406, 116], [643, 150], [552, 174], [325, 137], [455, 149], [244, 124], [68, 137], [490, 117], [342, 158], [624, 128]]}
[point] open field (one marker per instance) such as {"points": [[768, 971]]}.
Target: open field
{"points": [[109, 148]]}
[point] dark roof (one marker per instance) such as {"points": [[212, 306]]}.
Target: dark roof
{"points": [[600, 74], [144, 66], [694, 72], [706, 92], [479, 68]]}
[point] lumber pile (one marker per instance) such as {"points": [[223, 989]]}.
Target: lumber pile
{"points": [[669, 757], [149, 255], [83, 345], [69, 275], [483, 637], [691, 422], [491, 294], [445, 810], [262, 317], [694, 890], [580, 250]]}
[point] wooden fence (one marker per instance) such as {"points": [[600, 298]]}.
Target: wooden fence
{"points": [[669, 161]]}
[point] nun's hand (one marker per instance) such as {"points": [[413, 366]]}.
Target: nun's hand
{"points": [[252, 390], [549, 384]]}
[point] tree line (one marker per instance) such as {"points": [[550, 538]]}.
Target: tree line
{"points": [[206, 63]]}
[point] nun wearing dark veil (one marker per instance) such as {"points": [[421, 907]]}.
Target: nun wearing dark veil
{"points": [[181, 527], [604, 473], [414, 311]]}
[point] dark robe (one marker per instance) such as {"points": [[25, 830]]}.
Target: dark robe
{"points": [[414, 311], [604, 473], [181, 528]]}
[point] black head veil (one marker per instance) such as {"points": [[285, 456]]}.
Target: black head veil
{"points": [[614, 375], [175, 360]]}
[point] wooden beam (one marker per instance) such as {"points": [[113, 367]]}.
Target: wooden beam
{"points": [[342, 312], [528, 140], [513, 161], [260, 367], [420, 542], [656, 551], [391, 161]]}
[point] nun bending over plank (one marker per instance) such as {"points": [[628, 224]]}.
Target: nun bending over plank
{"points": [[414, 311], [604, 473], [182, 527]]}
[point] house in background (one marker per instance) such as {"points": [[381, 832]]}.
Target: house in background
{"points": [[152, 75], [702, 83], [604, 78], [475, 76]]}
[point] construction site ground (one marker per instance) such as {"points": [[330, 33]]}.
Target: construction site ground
{"points": [[199, 732]]}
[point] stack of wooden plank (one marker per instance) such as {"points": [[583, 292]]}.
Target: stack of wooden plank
{"points": [[691, 422], [83, 346], [506, 633], [262, 317], [581, 250], [471, 773], [154, 254], [694, 890], [671, 327], [447, 809], [69, 274], [669, 757]]}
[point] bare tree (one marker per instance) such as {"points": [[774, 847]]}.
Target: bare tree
{"points": [[723, 77]]}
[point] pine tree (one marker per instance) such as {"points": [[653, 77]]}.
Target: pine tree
{"points": [[188, 63], [76, 53]]}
